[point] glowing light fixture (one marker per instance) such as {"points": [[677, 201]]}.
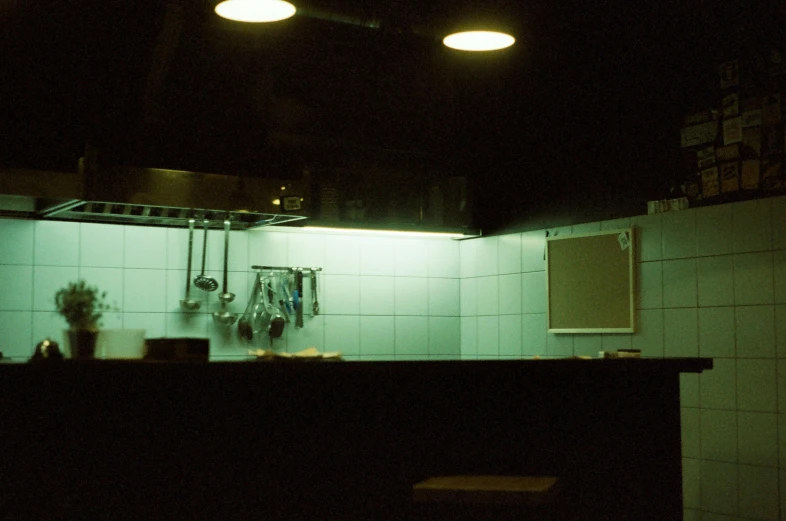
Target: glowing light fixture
{"points": [[478, 41], [255, 11]]}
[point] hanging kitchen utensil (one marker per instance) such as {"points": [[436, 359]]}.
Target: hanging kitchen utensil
{"points": [[314, 301], [299, 284], [225, 295], [277, 321], [244, 327], [189, 304], [223, 316], [284, 297], [260, 318], [202, 281]]}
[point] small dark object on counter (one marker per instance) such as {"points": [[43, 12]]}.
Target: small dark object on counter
{"points": [[180, 349], [46, 350]]}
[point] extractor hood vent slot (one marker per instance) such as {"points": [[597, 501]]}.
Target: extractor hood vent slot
{"points": [[170, 216]]}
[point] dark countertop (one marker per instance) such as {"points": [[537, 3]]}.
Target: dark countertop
{"points": [[333, 440], [568, 365]]}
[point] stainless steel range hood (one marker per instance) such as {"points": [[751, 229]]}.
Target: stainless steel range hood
{"points": [[152, 196]]}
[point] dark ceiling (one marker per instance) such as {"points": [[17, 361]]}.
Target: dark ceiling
{"points": [[579, 120]]}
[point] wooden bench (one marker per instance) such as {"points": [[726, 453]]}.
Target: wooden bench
{"points": [[523, 493]]}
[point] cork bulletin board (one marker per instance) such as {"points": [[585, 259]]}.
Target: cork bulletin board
{"points": [[590, 282]]}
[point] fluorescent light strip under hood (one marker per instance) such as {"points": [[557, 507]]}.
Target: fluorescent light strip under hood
{"points": [[396, 233]]}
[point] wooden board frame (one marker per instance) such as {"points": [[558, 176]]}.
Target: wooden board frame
{"points": [[590, 282]]}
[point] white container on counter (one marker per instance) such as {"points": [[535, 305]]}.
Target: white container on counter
{"points": [[120, 343]]}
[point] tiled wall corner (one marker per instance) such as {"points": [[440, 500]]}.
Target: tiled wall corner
{"points": [[711, 282]]}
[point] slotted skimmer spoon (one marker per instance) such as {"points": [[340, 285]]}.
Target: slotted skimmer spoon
{"points": [[189, 304], [202, 281]]}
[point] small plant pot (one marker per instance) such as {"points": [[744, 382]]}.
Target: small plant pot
{"points": [[81, 343]]}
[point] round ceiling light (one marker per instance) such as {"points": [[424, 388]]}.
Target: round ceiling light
{"points": [[478, 41], [255, 11]]}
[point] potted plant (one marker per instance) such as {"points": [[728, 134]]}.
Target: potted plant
{"points": [[82, 306]]}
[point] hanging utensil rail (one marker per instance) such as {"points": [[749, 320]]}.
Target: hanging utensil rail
{"points": [[286, 269]]}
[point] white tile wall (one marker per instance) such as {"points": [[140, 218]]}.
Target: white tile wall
{"points": [[56, 244], [19, 235], [365, 282], [411, 296], [752, 225], [469, 296], [101, 245], [533, 334], [780, 331], [680, 283], [342, 333], [533, 251], [510, 338], [510, 253], [779, 275], [679, 235], [755, 327], [779, 223], [717, 332], [410, 332], [690, 427], [377, 295], [533, 292], [510, 295], [377, 335], [443, 259], [17, 283], [758, 438], [377, 257], [444, 297], [649, 243], [306, 250], [16, 341], [268, 248], [713, 230], [487, 257], [758, 489], [681, 332], [411, 258], [444, 336], [719, 487], [649, 283], [47, 280], [649, 332], [488, 336], [753, 278], [718, 387], [756, 385], [716, 281], [587, 345], [711, 282], [719, 435], [488, 291], [145, 247], [469, 337], [342, 255]]}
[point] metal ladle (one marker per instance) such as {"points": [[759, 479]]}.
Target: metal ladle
{"points": [[202, 281], [189, 304], [223, 316]]}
